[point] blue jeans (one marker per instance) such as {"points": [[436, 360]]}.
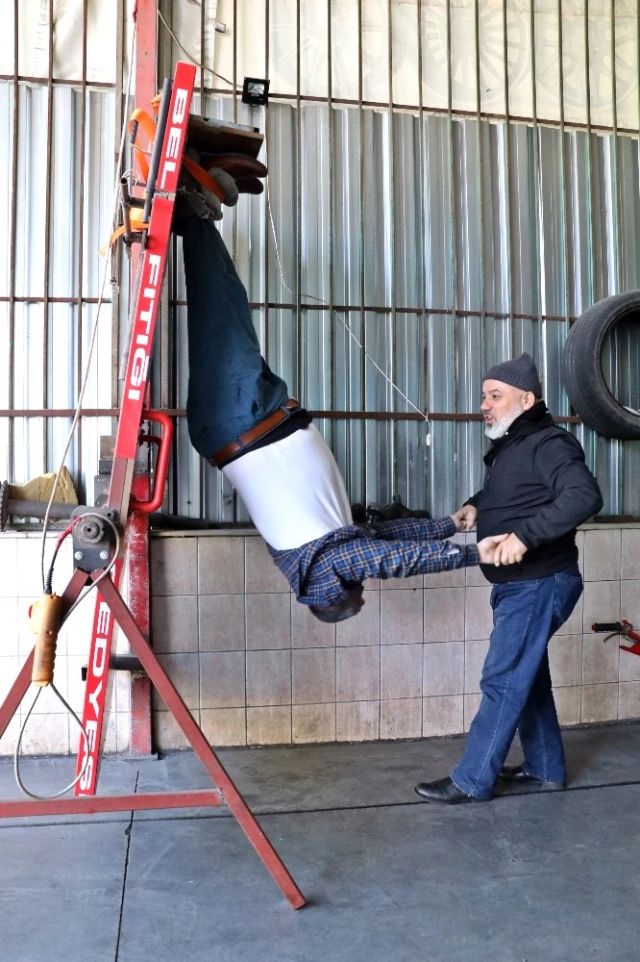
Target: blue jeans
{"points": [[231, 388], [516, 683]]}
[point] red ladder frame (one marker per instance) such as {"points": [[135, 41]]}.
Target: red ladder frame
{"points": [[110, 606]]}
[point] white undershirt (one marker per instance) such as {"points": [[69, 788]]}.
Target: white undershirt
{"points": [[292, 489]]}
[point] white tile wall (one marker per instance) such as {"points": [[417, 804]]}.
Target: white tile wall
{"points": [[256, 668]]}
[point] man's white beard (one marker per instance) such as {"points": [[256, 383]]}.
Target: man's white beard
{"points": [[500, 427]]}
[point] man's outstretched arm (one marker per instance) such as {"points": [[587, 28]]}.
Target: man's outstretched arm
{"points": [[378, 558], [415, 529]]}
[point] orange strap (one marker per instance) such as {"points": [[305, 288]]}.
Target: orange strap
{"points": [[137, 224], [140, 120], [148, 126], [204, 179]]}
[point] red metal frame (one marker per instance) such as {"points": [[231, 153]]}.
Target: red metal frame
{"points": [[153, 502], [111, 606], [141, 735], [628, 632], [225, 791]]}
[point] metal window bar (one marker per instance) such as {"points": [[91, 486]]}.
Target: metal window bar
{"points": [[358, 492], [12, 238], [48, 294], [46, 320]]}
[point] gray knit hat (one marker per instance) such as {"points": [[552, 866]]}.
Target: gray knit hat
{"points": [[520, 372]]}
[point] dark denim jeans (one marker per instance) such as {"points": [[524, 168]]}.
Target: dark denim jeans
{"points": [[231, 388], [516, 683]]}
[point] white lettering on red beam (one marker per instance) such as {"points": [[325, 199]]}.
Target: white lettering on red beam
{"points": [[176, 134], [141, 355], [98, 667]]}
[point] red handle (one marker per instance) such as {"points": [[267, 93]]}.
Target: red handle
{"points": [[162, 464]]}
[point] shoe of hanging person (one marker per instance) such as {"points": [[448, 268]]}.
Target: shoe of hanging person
{"points": [[239, 166], [249, 185]]}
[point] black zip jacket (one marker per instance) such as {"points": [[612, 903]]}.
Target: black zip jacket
{"points": [[538, 487]]}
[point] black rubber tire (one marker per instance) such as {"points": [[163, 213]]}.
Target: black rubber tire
{"points": [[583, 377]]}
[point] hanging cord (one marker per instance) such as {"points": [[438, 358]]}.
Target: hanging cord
{"points": [[94, 334], [16, 756], [193, 60], [346, 326], [48, 590], [48, 586]]}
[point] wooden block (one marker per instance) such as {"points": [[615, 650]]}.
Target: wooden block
{"points": [[219, 137]]}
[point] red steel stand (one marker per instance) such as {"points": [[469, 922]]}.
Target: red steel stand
{"points": [[110, 606]]}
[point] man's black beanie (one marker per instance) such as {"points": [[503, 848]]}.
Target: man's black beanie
{"points": [[521, 372]]}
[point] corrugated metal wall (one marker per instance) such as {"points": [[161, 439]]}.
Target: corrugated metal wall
{"points": [[453, 247], [56, 180], [445, 240]]}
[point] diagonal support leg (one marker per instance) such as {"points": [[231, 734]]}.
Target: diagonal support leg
{"points": [[16, 693], [200, 745]]}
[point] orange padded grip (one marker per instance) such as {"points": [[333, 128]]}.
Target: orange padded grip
{"points": [[45, 621]]}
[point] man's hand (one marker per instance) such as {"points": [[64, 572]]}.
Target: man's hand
{"points": [[488, 547], [510, 552], [465, 517]]}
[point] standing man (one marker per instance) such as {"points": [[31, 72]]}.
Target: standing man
{"points": [[538, 489]]}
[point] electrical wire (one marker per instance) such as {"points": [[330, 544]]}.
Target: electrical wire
{"points": [[193, 60], [16, 754], [48, 588], [346, 326]]}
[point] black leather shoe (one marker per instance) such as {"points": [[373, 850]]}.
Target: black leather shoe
{"points": [[516, 773], [444, 790]]}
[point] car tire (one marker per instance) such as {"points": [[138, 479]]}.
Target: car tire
{"points": [[584, 381]]}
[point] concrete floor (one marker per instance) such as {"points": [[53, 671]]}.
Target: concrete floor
{"points": [[529, 877]]}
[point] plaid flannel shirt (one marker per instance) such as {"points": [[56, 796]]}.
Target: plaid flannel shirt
{"points": [[322, 571]]}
